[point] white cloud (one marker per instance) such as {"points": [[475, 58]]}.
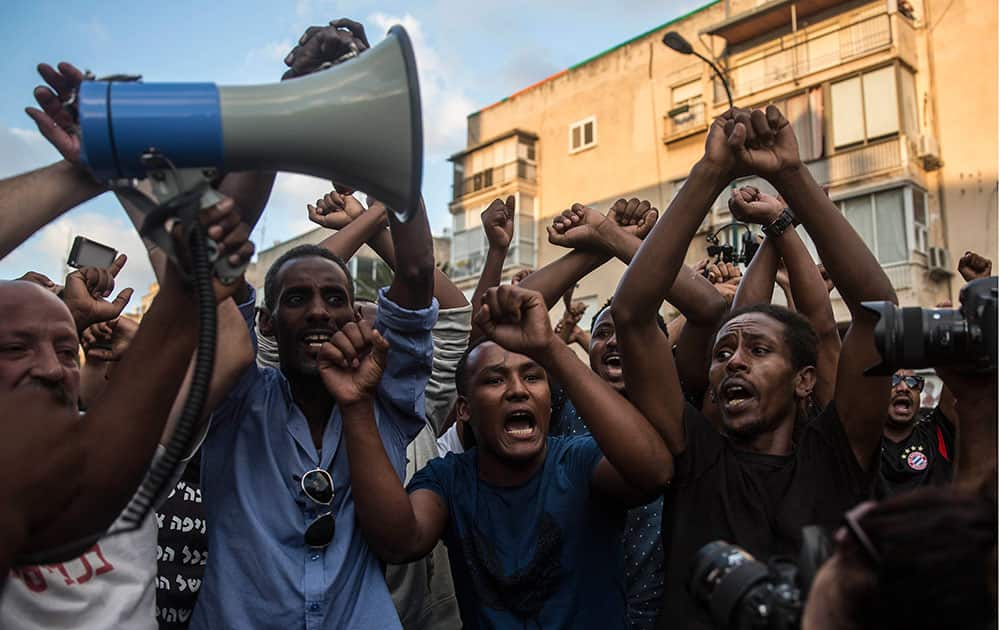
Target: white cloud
{"points": [[96, 32], [445, 105], [46, 251], [22, 150], [286, 214]]}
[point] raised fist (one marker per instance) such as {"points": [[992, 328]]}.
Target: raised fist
{"points": [[498, 222], [323, 46], [108, 341], [516, 319], [972, 266], [335, 211], [352, 362], [634, 216], [750, 205], [761, 142], [581, 227], [521, 275]]}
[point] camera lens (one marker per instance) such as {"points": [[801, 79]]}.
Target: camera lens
{"points": [[915, 337], [723, 574]]}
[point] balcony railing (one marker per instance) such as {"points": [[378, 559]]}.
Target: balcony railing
{"points": [[496, 176], [685, 119], [796, 57], [865, 161]]}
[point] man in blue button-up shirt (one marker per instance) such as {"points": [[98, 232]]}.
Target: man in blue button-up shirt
{"points": [[275, 425]]}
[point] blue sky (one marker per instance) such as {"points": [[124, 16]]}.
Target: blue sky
{"points": [[468, 55]]}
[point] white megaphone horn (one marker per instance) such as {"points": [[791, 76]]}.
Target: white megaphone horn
{"points": [[357, 123]]}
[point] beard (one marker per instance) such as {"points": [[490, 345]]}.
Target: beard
{"points": [[747, 432]]}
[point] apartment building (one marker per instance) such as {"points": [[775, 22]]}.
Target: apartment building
{"points": [[894, 104]]}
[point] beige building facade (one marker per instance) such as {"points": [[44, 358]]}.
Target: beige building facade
{"points": [[894, 104]]}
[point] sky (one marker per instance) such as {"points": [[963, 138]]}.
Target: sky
{"points": [[469, 55]]}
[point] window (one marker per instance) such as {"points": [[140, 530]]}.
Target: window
{"points": [[687, 109], [805, 113], [526, 151], [583, 134], [880, 219], [369, 275], [864, 107], [469, 244], [919, 220]]}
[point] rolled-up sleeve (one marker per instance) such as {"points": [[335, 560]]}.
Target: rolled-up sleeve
{"points": [[451, 338], [408, 367]]}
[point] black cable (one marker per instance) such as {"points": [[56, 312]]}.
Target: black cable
{"points": [[181, 441]]}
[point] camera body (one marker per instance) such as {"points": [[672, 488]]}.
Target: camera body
{"points": [[914, 337], [744, 593]]}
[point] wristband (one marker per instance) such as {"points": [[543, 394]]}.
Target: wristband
{"points": [[775, 228]]}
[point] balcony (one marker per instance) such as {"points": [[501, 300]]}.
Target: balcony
{"points": [[886, 157], [799, 54], [495, 177], [684, 120]]}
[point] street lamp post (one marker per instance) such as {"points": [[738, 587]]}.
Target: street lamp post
{"points": [[676, 42]]}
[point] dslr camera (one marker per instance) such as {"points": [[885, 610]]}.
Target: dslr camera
{"points": [[743, 593], [914, 337]]}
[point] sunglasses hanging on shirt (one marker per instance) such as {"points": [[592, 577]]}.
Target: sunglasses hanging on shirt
{"points": [[317, 484]]}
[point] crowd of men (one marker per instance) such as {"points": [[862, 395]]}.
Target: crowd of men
{"points": [[423, 461]]}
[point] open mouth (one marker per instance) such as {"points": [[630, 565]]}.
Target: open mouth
{"points": [[520, 424], [315, 340], [612, 363], [736, 395], [902, 405]]}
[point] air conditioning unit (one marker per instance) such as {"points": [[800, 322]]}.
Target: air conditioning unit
{"points": [[939, 262], [928, 152]]}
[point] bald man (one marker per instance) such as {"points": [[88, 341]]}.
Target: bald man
{"points": [[65, 477]]}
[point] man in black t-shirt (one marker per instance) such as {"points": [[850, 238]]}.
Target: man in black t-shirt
{"points": [[917, 450], [759, 482]]}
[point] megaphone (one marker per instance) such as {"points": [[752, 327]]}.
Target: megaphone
{"points": [[357, 123]]}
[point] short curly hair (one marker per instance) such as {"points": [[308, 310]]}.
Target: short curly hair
{"points": [[301, 251]]}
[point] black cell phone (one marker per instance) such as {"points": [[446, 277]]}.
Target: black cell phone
{"points": [[88, 253]]}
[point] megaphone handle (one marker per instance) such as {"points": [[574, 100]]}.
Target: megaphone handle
{"points": [[226, 272]]}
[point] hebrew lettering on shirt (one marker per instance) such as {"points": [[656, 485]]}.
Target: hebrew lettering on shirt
{"points": [[165, 554], [88, 566], [173, 615], [193, 556], [190, 584], [192, 494], [32, 578]]}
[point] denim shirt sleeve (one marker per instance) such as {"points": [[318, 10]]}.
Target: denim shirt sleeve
{"points": [[407, 370], [232, 406]]}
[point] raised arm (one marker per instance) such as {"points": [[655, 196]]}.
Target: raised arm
{"points": [[398, 527], [357, 226], [498, 224], [808, 288], [650, 371], [121, 429], [556, 278], [636, 465], [757, 284], [30, 201], [766, 144]]}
